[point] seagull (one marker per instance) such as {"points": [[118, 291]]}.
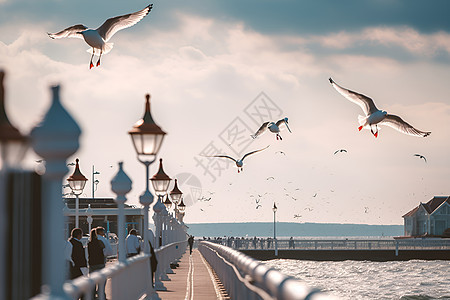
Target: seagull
{"points": [[98, 38], [315, 195], [297, 216], [281, 152], [340, 150], [273, 127], [257, 200], [258, 206], [271, 177], [239, 162], [374, 117], [421, 156]]}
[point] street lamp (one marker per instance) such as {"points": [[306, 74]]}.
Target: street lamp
{"points": [[94, 182], [77, 181], [167, 202], [13, 145], [147, 138], [89, 212], [274, 209], [176, 195], [182, 209]]}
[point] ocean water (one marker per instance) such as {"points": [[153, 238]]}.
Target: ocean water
{"points": [[405, 280]]}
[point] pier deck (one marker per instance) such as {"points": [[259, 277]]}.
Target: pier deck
{"points": [[193, 279]]}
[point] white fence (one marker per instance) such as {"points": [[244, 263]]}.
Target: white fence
{"points": [[246, 278], [338, 244]]}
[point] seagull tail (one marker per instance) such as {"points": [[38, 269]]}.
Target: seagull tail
{"points": [[106, 48], [362, 120]]}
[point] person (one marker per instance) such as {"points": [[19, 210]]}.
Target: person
{"points": [[96, 259], [191, 243], [132, 243], [107, 251], [291, 243], [68, 256], [153, 260], [78, 256]]}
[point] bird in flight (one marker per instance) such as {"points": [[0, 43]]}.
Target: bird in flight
{"points": [[239, 162], [281, 152], [315, 195], [374, 117], [421, 156], [340, 150], [273, 127], [258, 206], [98, 38], [271, 177], [297, 216]]}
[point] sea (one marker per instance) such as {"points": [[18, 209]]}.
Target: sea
{"points": [[405, 280]]}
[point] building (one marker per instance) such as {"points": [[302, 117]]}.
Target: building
{"points": [[429, 219], [104, 214]]}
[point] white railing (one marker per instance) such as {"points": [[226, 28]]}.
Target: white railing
{"points": [[246, 278], [166, 255], [338, 244]]}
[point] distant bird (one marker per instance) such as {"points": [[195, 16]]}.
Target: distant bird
{"points": [[257, 200], [281, 152], [270, 178], [258, 206], [308, 208], [374, 117], [295, 199], [297, 216], [71, 164], [98, 38], [340, 150], [421, 156], [366, 210], [273, 127], [239, 162], [204, 199], [315, 195]]}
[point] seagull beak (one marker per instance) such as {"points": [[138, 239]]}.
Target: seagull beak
{"points": [[287, 126]]}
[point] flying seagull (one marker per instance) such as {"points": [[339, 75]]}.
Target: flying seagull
{"points": [[98, 38], [374, 117], [239, 162], [273, 127], [340, 150], [421, 156]]}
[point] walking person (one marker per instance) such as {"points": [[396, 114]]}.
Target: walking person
{"points": [[78, 256], [107, 250], [132, 243], [191, 243], [96, 258]]}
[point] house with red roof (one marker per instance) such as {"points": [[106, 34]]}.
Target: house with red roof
{"points": [[428, 219]]}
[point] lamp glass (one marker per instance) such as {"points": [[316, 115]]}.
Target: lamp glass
{"points": [[77, 186], [147, 143], [160, 186], [168, 203], [182, 207]]}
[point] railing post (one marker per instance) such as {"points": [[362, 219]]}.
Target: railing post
{"points": [[54, 139], [396, 248]]}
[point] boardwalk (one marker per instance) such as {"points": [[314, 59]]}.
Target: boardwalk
{"points": [[193, 279]]}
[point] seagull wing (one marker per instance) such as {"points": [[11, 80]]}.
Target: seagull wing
{"points": [[223, 156], [279, 122], [112, 25], [397, 123], [260, 130], [70, 32], [253, 152], [366, 103]]}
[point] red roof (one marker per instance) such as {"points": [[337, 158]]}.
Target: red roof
{"points": [[430, 206]]}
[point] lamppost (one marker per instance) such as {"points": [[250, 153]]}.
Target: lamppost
{"points": [[89, 212], [77, 181], [13, 146], [274, 209], [182, 209], [94, 181], [176, 195], [160, 182], [147, 138]]}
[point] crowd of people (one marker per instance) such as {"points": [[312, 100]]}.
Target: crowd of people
{"points": [[246, 242], [98, 249]]}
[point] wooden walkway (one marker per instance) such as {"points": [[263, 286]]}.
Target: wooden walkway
{"points": [[193, 279]]}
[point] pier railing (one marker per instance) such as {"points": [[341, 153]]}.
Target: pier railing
{"points": [[129, 280], [338, 244], [246, 278]]}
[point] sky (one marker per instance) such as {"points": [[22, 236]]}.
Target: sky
{"points": [[216, 70]]}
